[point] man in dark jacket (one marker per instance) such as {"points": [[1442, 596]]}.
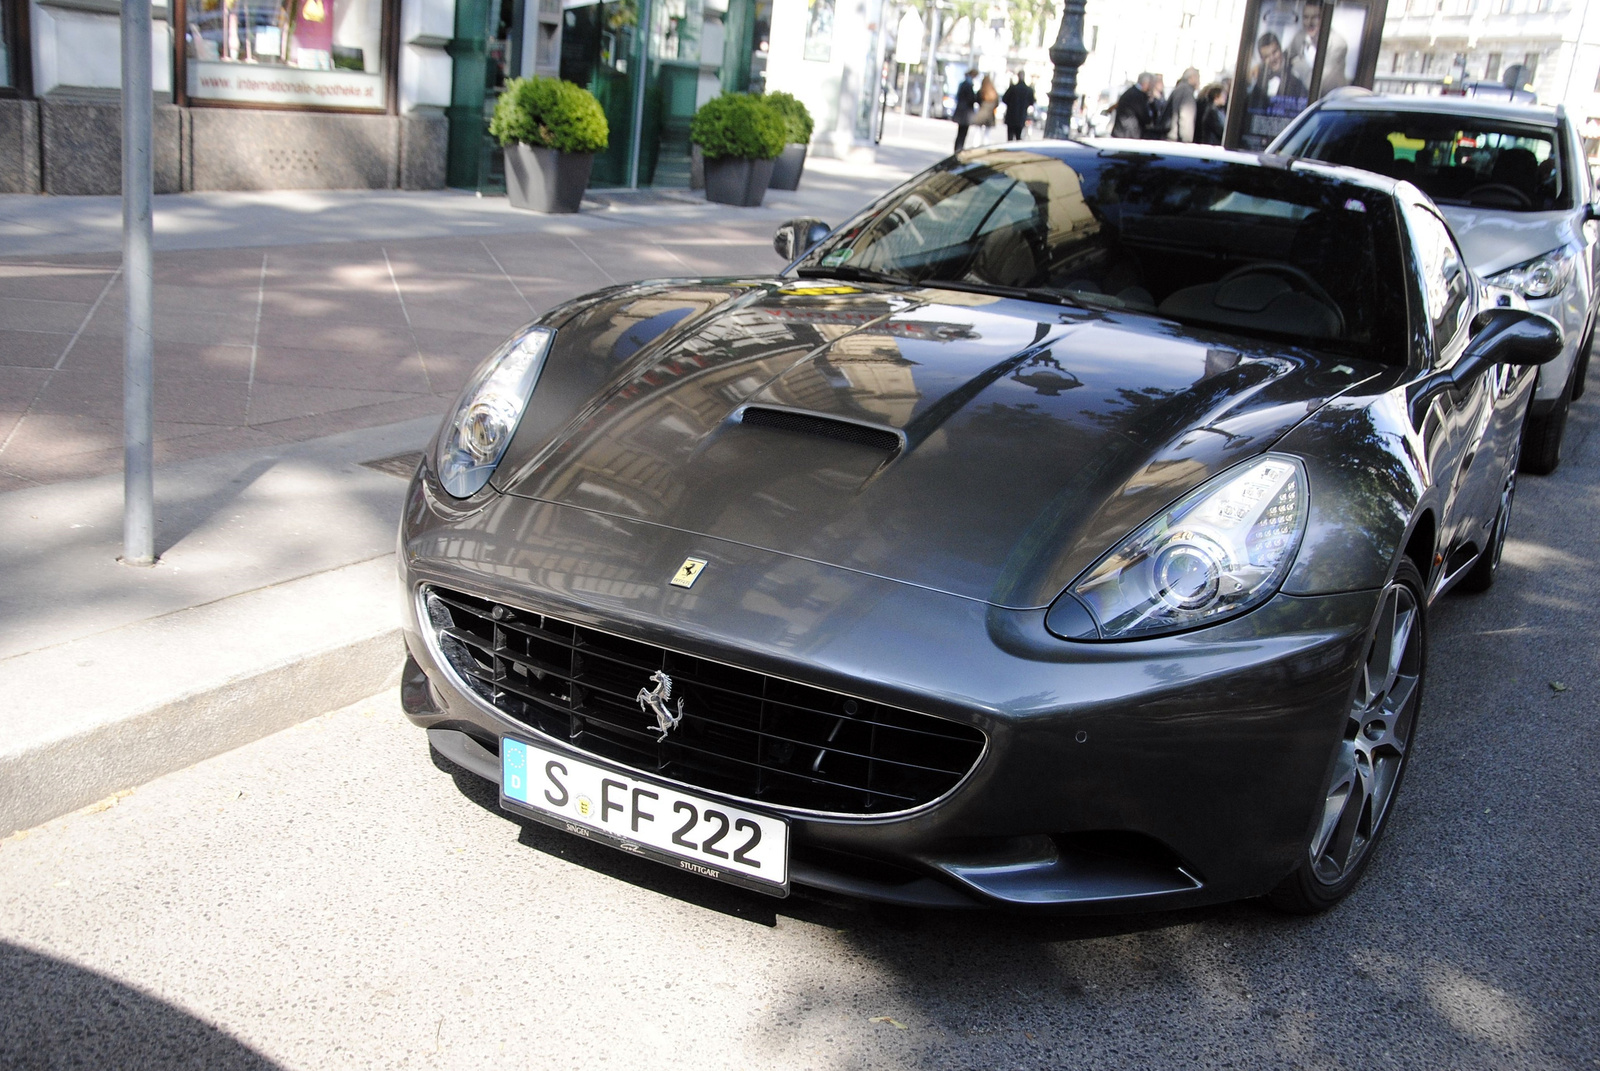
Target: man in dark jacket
{"points": [[1132, 109], [966, 104], [1017, 99]]}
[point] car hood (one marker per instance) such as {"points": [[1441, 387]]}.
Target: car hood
{"points": [[1494, 239], [987, 447]]}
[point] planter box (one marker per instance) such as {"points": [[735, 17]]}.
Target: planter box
{"points": [[788, 168], [738, 181], [697, 168], [543, 180]]}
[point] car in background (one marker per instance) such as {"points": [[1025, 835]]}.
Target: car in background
{"points": [[1491, 91], [1514, 185], [1060, 532]]}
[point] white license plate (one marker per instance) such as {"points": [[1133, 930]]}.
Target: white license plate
{"points": [[702, 836]]}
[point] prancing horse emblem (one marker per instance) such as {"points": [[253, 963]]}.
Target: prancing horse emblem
{"points": [[654, 701]]}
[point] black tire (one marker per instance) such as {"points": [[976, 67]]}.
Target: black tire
{"points": [[1581, 371], [1480, 577], [1370, 758], [1541, 439]]}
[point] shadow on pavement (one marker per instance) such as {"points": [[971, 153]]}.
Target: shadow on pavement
{"points": [[57, 1015]]}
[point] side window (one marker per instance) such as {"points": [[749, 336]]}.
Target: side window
{"points": [[1444, 276]]}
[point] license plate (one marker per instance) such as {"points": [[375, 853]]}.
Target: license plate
{"points": [[702, 836]]}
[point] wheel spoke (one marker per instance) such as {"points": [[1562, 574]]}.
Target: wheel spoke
{"points": [[1382, 649], [1343, 847], [1344, 778], [1400, 641]]}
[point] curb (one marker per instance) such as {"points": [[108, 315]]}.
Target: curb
{"points": [[164, 694]]}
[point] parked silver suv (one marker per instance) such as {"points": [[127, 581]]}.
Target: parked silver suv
{"points": [[1512, 182]]}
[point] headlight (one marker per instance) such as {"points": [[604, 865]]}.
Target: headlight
{"points": [[1221, 550], [1542, 277], [479, 428]]}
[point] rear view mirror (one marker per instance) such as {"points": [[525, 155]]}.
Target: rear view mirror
{"points": [[1499, 336], [798, 236], [1512, 336]]}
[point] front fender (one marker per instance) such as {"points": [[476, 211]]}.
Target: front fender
{"points": [[1369, 483]]}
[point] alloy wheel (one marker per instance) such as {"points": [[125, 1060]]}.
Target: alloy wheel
{"points": [[1377, 736]]}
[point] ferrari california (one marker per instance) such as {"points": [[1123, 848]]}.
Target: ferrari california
{"points": [[1060, 532]]}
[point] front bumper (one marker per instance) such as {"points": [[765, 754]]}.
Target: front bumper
{"points": [[1158, 773], [1570, 309]]}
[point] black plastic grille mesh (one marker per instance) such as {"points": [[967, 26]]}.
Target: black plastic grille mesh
{"points": [[743, 733], [806, 424]]}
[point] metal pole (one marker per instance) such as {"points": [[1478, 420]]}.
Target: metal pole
{"points": [[933, 61], [1068, 55], [138, 352]]}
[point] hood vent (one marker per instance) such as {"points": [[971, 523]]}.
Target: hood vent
{"points": [[827, 427]]}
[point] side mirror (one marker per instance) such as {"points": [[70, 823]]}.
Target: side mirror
{"points": [[798, 236], [1505, 335], [1591, 211], [1498, 336]]}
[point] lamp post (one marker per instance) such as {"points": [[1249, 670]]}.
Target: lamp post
{"points": [[1067, 54]]}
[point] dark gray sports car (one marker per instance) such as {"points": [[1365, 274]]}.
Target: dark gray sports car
{"points": [[1060, 532]]}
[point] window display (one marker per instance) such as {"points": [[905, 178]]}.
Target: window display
{"points": [[1283, 67], [5, 44], [321, 53]]}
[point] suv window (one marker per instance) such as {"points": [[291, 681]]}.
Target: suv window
{"points": [[1453, 159], [1444, 278]]}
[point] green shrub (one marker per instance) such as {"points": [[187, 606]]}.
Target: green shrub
{"points": [[548, 113], [795, 116], [738, 125]]}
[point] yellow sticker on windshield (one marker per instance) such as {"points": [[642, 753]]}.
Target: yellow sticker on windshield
{"points": [[819, 291]]}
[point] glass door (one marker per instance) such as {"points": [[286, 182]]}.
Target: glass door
{"points": [[598, 44], [485, 52]]}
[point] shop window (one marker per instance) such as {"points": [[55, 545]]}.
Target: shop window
{"points": [[305, 53], [14, 58], [6, 80]]}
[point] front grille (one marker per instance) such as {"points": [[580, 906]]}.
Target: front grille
{"points": [[742, 733]]}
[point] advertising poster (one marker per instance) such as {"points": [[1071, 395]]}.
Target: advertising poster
{"points": [[1284, 57], [1274, 92], [819, 30]]}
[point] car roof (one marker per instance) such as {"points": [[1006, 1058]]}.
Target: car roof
{"points": [[1187, 151], [1467, 107]]}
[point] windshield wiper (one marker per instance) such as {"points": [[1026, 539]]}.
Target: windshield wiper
{"points": [[1027, 293], [862, 275], [867, 275]]}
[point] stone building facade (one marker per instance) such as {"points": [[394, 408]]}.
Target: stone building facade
{"points": [[249, 94]]}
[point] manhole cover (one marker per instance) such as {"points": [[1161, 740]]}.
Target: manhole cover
{"points": [[401, 465]]}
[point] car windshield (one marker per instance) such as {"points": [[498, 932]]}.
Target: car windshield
{"points": [[1453, 159], [1220, 243]]}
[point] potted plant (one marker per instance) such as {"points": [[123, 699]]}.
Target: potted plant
{"points": [[740, 135], [797, 121], [550, 131]]}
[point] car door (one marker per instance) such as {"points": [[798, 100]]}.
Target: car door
{"points": [[1458, 428]]}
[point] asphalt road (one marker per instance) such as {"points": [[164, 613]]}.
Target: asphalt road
{"points": [[328, 897]]}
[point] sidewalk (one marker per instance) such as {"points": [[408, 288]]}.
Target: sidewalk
{"points": [[306, 345]]}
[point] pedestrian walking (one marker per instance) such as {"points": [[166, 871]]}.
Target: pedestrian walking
{"points": [[966, 104], [1156, 121], [1181, 107], [1131, 109], [988, 103], [1018, 100], [1212, 115]]}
